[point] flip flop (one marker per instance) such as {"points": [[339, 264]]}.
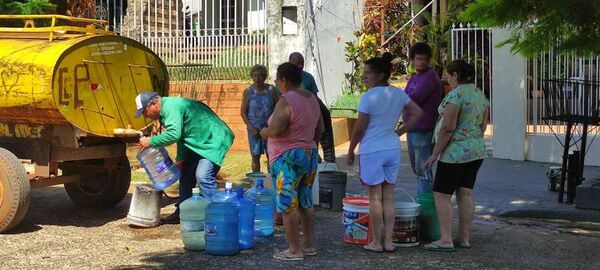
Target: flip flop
{"points": [[282, 256], [309, 253], [437, 248], [371, 249], [389, 250], [461, 245]]}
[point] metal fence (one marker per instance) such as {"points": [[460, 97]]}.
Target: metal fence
{"points": [[189, 80], [553, 66], [474, 45], [230, 35]]}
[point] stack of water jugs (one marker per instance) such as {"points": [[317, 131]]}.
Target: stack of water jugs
{"points": [[229, 222]]}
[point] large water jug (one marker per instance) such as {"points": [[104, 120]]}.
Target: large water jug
{"points": [[192, 215], [265, 206], [228, 195], [159, 167], [246, 207], [221, 229]]}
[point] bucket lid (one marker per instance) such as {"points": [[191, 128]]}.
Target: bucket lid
{"points": [[356, 200]]}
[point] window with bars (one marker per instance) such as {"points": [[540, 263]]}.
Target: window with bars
{"points": [[228, 13]]}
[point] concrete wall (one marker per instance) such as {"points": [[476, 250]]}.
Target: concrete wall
{"points": [[546, 148], [508, 99], [330, 25], [324, 28], [510, 140], [280, 46]]}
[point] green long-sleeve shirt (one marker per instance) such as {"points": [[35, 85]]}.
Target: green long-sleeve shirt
{"points": [[194, 126]]}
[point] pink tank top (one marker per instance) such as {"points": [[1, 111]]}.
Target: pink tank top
{"points": [[305, 113]]}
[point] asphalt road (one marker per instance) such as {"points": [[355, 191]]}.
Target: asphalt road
{"points": [[57, 234]]}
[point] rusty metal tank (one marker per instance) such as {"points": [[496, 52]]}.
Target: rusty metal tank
{"points": [[86, 78]]}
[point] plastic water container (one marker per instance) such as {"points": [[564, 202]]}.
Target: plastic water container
{"points": [[192, 215], [254, 176], [221, 229], [159, 167], [246, 207], [265, 205], [228, 195]]}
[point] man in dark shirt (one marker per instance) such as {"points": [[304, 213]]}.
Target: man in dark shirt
{"points": [[309, 84], [424, 88]]}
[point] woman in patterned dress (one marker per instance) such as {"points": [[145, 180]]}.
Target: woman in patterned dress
{"points": [[459, 151]]}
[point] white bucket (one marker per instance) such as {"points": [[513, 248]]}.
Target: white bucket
{"points": [[144, 210], [356, 220], [406, 226]]}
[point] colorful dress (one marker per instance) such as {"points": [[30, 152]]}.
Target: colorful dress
{"points": [[260, 107], [467, 143]]}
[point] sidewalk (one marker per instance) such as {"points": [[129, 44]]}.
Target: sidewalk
{"points": [[504, 188]]}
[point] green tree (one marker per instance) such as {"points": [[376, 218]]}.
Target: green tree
{"points": [[437, 29], [26, 7], [538, 25]]}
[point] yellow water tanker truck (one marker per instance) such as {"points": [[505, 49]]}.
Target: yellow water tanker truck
{"points": [[67, 94]]}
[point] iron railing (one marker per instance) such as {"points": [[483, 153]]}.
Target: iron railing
{"points": [[230, 35]]}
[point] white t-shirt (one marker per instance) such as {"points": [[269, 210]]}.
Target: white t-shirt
{"points": [[384, 105]]}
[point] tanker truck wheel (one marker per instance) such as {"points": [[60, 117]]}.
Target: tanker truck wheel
{"points": [[14, 190], [98, 189]]}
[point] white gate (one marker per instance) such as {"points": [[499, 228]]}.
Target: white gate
{"points": [[551, 65], [474, 45], [231, 35]]}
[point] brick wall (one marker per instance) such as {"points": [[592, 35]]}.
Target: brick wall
{"points": [[225, 99]]}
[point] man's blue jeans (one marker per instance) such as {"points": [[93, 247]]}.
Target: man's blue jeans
{"points": [[420, 147], [197, 169]]}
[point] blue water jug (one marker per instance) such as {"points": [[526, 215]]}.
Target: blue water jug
{"points": [[228, 195], [159, 167], [221, 229], [265, 206], [192, 215], [246, 207]]}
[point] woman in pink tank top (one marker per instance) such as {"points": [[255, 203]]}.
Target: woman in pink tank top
{"points": [[294, 128]]}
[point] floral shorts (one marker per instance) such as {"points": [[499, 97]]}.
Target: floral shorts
{"points": [[293, 174]]}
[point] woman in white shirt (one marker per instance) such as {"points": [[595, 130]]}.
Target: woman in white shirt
{"points": [[379, 110]]}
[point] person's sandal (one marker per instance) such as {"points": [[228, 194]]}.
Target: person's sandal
{"points": [[372, 249], [171, 219], [461, 245], [312, 252], [283, 256], [389, 250], [437, 248]]}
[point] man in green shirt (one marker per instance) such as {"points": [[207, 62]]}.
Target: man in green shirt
{"points": [[309, 84], [202, 140]]}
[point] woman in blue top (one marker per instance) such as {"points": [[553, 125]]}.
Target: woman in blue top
{"points": [[258, 102], [379, 110]]}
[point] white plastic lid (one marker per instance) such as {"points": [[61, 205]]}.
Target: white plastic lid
{"points": [[228, 185], [196, 190]]}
